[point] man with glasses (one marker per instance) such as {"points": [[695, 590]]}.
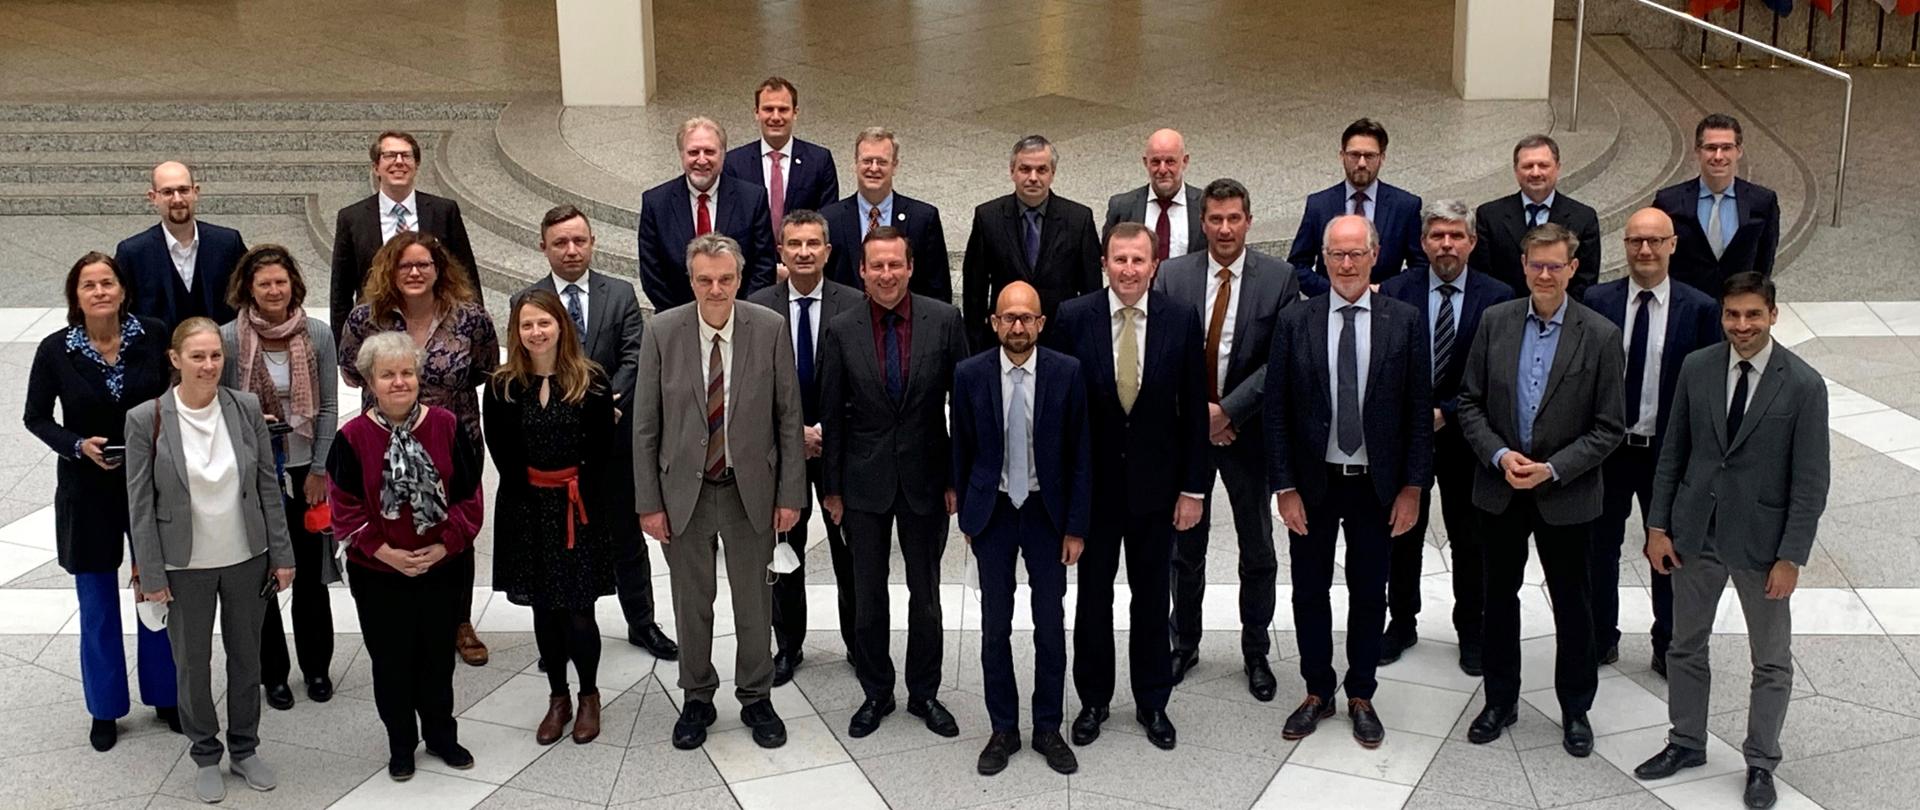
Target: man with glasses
{"points": [[875, 203], [361, 228], [1395, 214], [1726, 225], [178, 268]]}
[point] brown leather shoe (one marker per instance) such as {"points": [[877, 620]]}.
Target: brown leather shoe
{"points": [[471, 650], [559, 711], [587, 725]]}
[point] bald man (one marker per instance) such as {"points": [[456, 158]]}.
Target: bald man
{"points": [[1167, 205], [179, 267]]}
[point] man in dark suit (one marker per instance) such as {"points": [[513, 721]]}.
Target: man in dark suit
{"points": [[1449, 299], [809, 302], [1238, 293], [607, 316], [1140, 354], [797, 175], [1031, 235], [875, 203], [1503, 221], [179, 268], [886, 368], [1742, 482], [697, 203], [361, 228], [1395, 214], [1726, 225], [1167, 205], [1663, 321], [1023, 483], [1349, 447], [1540, 406]]}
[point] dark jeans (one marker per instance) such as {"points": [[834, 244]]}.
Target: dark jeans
{"points": [[312, 612], [408, 625], [1146, 543], [1242, 467], [1012, 532], [1453, 472], [1563, 555], [1628, 474], [1350, 501], [790, 590], [923, 539]]}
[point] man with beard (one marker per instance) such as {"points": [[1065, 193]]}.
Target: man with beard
{"points": [[698, 202], [1395, 214], [179, 267]]}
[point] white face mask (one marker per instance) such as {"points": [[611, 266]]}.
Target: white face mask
{"points": [[153, 615], [784, 560]]}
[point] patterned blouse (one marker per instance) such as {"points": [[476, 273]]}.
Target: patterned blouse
{"points": [[460, 352], [116, 371]]}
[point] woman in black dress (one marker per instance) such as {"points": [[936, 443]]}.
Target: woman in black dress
{"points": [[549, 424]]}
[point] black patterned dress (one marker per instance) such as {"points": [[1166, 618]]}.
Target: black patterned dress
{"points": [[532, 563]]}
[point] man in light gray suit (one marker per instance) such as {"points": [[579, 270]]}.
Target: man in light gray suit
{"points": [[718, 452], [1738, 494], [1167, 205], [1238, 293], [606, 314]]}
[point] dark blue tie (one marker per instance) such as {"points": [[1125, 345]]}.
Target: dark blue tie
{"points": [[1033, 238], [1350, 435], [803, 362], [890, 343], [1637, 357], [1535, 212]]}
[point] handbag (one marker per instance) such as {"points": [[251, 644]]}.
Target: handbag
{"points": [[333, 563]]}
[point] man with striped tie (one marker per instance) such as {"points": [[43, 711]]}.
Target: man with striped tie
{"points": [[361, 228]]}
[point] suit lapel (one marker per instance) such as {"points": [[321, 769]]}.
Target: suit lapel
{"points": [[1572, 333], [869, 352], [599, 311], [1246, 288], [1196, 237], [1718, 387], [237, 431], [1016, 232], [1504, 351], [723, 206], [1317, 348], [1101, 374], [1742, 206], [1152, 366], [1770, 384], [168, 419], [1377, 335], [917, 355]]}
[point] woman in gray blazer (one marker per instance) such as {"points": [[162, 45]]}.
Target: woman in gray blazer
{"points": [[286, 359], [205, 517]]}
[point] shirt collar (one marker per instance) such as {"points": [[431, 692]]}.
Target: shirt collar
{"points": [[1041, 208], [725, 331], [560, 284], [1372, 190], [1548, 202], [1238, 267], [173, 245], [794, 293], [1660, 291], [1335, 302], [1007, 366], [904, 309], [1114, 304], [1559, 315], [1707, 193], [1459, 282], [713, 192], [885, 206], [767, 148], [413, 209], [1759, 360], [1178, 200]]}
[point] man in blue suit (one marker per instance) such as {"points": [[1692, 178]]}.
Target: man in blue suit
{"points": [[1725, 225], [697, 203], [1449, 299], [179, 267], [1022, 476], [1395, 214], [797, 175], [1146, 381], [1662, 321], [876, 154]]}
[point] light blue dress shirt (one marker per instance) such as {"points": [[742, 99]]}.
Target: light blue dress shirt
{"points": [[1433, 303], [1729, 212], [1362, 353], [1544, 215], [1538, 342], [886, 211]]}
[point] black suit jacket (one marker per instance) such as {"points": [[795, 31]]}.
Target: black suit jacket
{"points": [[932, 276], [1481, 292], [1061, 447], [996, 256], [666, 225], [1501, 223], [356, 238], [1143, 459], [1137, 206], [1396, 408], [149, 268], [1693, 322], [1396, 216], [835, 300], [812, 182], [1753, 246]]}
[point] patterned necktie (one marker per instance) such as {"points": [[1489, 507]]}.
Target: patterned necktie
{"points": [[776, 190], [1017, 440], [574, 312], [703, 224], [716, 414], [890, 346], [1534, 215], [1033, 238], [1126, 361], [400, 224], [1163, 231], [1216, 325], [1715, 238], [1359, 203], [1737, 409], [1637, 357], [873, 220], [1348, 417], [1443, 330]]}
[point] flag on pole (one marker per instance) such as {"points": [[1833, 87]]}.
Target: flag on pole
{"points": [[1701, 8], [1823, 5], [1780, 7], [1900, 6]]}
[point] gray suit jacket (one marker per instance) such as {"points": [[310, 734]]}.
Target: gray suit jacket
{"points": [[763, 424], [1132, 206], [159, 505], [1582, 415], [326, 419], [1762, 491], [614, 327], [1267, 285]]}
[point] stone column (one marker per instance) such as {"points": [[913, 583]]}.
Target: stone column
{"points": [[1502, 49], [606, 52]]}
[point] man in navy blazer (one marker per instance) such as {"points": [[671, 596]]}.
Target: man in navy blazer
{"points": [[1449, 299], [876, 154], [1747, 215], [1395, 214], [179, 267], [796, 174], [1168, 205], [1023, 482], [696, 203], [1145, 371], [1662, 321]]}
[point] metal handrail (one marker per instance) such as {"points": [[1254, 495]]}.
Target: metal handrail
{"points": [[1846, 109]]}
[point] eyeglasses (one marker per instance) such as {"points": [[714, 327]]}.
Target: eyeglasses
{"points": [[1021, 319], [1638, 242], [412, 267], [875, 162], [1340, 256], [1358, 156], [1546, 267], [402, 156]]}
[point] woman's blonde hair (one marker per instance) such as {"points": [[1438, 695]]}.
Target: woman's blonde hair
{"points": [[573, 372]]}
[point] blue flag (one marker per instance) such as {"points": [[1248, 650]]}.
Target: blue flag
{"points": [[1780, 7]]}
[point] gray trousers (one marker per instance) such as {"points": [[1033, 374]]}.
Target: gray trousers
{"points": [[692, 558], [1697, 586], [236, 590]]}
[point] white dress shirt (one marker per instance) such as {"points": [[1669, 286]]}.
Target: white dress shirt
{"points": [[713, 204], [1362, 352], [390, 225], [184, 255], [794, 296], [1176, 221], [1031, 384], [1114, 306], [213, 488], [560, 287], [1656, 343], [1545, 216], [1239, 270], [725, 333], [1759, 363]]}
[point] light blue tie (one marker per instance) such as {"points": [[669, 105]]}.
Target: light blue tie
{"points": [[1017, 440]]}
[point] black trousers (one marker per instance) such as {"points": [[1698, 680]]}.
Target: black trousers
{"points": [[1351, 503], [1242, 467], [1453, 474], [923, 539], [1015, 532], [312, 611], [633, 570], [1145, 541], [790, 590], [1563, 555], [408, 625], [1628, 474]]}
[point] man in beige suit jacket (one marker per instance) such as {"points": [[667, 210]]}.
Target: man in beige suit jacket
{"points": [[718, 452]]}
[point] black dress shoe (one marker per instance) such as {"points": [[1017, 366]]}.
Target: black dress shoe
{"points": [[1488, 725], [867, 718], [768, 730], [1086, 727], [1669, 762], [1760, 793], [1306, 718], [169, 715], [320, 689], [1367, 729], [455, 755], [1470, 658], [279, 696], [656, 643], [1059, 755], [935, 714], [993, 758], [1576, 735], [1159, 728], [1659, 664], [1610, 655], [1395, 642], [690, 731], [784, 664], [1260, 682], [103, 734], [1184, 660], [400, 767]]}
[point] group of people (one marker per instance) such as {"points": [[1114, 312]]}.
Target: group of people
{"points": [[1075, 408]]}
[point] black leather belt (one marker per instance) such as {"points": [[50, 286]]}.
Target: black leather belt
{"points": [[1347, 470], [1637, 440], [723, 478]]}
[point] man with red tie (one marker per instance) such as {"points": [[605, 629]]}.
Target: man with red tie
{"points": [[1167, 204], [695, 204]]}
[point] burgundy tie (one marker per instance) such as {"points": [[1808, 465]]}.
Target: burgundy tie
{"points": [[703, 225], [777, 192], [1359, 203], [1163, 232]]}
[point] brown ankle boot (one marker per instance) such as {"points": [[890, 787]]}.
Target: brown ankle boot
{"points": [[588, 726], [559, 711], [468, 644]]}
